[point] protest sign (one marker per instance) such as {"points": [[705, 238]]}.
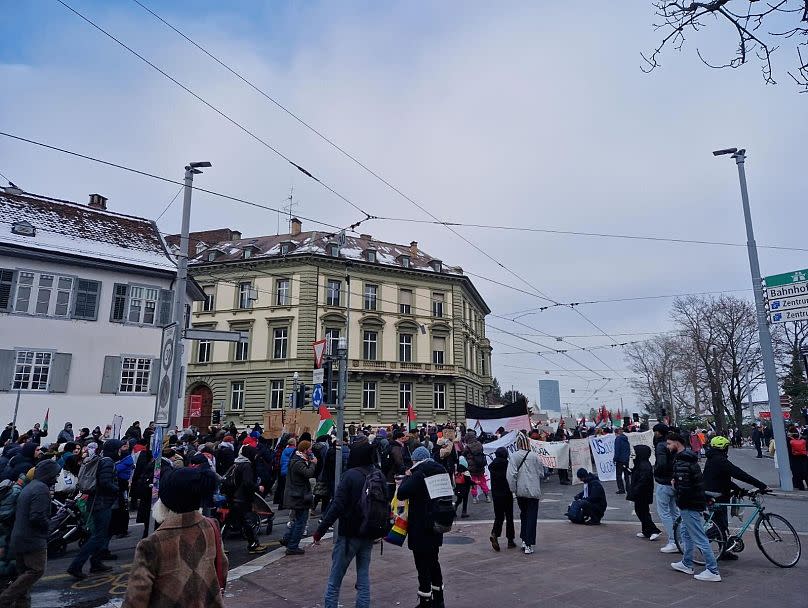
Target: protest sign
{"points": [[439, 485], [273, 424], [306, 422], [553, 454], [644, 438], [580, 457], [602, 447]]}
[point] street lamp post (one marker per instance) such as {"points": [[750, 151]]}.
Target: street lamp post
{"points": [[342, 357], [767, 352], [180, 289]]}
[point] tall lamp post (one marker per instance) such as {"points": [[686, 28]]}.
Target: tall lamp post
{"points": [[767, 352]]}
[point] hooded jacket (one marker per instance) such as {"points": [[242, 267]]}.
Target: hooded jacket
{"points": [[663, 467], [595, 495], [475, 456], [30, 532], [641, 489], [244, 476], [297, 482], [498, 469], [420, 534], [524, 474], [622, 449], [65, 435], [689, 487], [21, 463], [719, 473], [106, 482]]}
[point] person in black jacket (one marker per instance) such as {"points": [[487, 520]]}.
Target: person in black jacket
{"points": [[688, 483], [422, 539], [246, 486], [22, 462], [503, 499], [593, 497], [664, 495], [622, 460], [641, 492], [350, 544]]}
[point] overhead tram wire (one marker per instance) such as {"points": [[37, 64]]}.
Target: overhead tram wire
{"points": [[171, 202], [220, 112]]}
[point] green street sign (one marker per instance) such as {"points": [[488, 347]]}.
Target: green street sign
{"points": [[787, 278]]}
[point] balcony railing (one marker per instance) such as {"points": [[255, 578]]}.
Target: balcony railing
{"points": [[399, 366]]}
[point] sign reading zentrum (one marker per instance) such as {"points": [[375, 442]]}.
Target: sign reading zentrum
{"points": [[787, 296]]}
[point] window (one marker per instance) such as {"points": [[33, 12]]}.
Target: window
{"points": [[245, 295], [135, 373], [405, 301], [371, 255], [437, 304], [369, 396], [283, 294], [208, 304], [248, 252], [242, 350], [285, 248], [212, 255], [6, 281], [43, 294], [482, 364], [237, 396], [332, 297], [437, 265], [280, 342], [331, 340], [371, 292], [369, 343], [87, 297], [404, 395], [405, 261], [203, 352], [143, 304], [333, 250], [439, 397], [438, 350], [405, 348], [31, 370], [119, 302], [276, 394]]}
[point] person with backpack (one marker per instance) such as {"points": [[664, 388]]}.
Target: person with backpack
{"points": [[462, 479], [240, 485], [361, 505], [285, 456], [503, 499], [477, 463], [524, 479], [428, 518], [97, 480]]}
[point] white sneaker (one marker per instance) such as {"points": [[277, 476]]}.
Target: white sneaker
{"points": [[640, 535], [708, 576], [529, 551], [669, 548], [474, 500], [680, 567], [655, 536], [524, 546]]}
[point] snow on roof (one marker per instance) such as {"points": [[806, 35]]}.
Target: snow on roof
{"points": [[82, 231]]}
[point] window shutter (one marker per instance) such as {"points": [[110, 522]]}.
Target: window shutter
{"points": [[6, 283], [7, 359], [86, 303], [118, 312], [111, 378], [60, 372], [406, 297], [154, 377], [166, 303]]}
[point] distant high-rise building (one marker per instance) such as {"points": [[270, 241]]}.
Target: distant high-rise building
{"points": [[549, 396]]}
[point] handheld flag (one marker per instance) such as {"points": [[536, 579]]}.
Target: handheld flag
{"points": [[411, 417], [326, 422], [45, 424]]}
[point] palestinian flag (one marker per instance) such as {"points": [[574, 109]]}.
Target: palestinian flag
{"points": [[411, 417], [618, 423], [45, 424], [326, 422]]}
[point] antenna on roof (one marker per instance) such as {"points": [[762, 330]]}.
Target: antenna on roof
{"points": [[288, 208]]}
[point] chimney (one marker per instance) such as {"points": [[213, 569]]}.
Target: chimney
{"points": [[413, 248], [365, 237], [296, 226], [97, 201]]}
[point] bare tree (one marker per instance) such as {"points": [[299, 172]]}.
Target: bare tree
{"points": [[654, 362], [760, 28]]}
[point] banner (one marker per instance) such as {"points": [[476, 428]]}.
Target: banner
{"points": [[602, 447], [644, 438], [512, 417], [553, 454], [273, 424], [506, 441], [580, 457]]}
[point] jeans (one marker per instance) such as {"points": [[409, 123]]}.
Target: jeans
{"points": [[622, 474], [666, 508], [427, 565], [345, 550], [643, 511], [528, 516], [479, 480], [97, 543], [299, 517], [694, 536], [503, 511], [30, 568]]}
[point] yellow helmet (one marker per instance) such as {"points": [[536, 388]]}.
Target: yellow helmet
{"points": [[720, 443]]}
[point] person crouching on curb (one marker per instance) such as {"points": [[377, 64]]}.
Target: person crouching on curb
{"points": [[422, 539]]}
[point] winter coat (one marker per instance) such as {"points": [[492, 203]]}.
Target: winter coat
{"points": [[622, 449], [689, 482], [35, 436], [641, 488], [473, 451], [498, 469], [19, 465], [244, 478], [663, 467], [286, 456], [719, 473], [30, 532], [595, 495], [756, 436], [345, 505], [65, 435], [133, 432], [264, 461], [401, 459], [297, 482], [106, 485], [9, 434], [524, 474], [225, 457], [420, 535], [124, 468], [175, 567]]}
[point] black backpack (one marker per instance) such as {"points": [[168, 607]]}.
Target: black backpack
{"points": [[228, 486], [385, 459], [374, 506], [441, 514], [479, 459]]}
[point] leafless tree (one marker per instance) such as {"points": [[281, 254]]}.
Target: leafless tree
{"points": [[654, 362], [760, 26]]}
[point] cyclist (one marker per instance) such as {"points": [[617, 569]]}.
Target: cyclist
{"points": [[718, 475]]}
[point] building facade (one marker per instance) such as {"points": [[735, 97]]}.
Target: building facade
{"points": [[415, 327], [84, 294]]}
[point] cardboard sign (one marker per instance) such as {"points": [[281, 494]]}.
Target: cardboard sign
{"points": [[580, 457], [307, 422], [273, 424], [439, 485]]}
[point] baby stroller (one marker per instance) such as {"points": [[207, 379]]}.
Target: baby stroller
{"points": [[262, 516], [66, 526]]}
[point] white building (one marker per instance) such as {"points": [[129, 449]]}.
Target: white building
{"points": [[84, 293]]}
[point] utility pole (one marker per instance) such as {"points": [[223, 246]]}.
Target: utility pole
{"points": [[766, 349], [748, 395], [342, 393], [179, 292]]}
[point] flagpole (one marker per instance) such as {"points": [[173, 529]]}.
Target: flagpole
{"points": [[16, 409]]}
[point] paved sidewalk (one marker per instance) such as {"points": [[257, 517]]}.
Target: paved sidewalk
{"points": [[591, 567]]}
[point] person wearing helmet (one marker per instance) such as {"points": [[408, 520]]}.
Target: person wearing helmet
{"points": [[718, 475]]}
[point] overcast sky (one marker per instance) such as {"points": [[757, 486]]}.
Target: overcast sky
{"points": [[521, 114]]}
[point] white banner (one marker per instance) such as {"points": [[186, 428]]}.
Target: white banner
{"points": [[553, 454], [644, 438], [602, 447], [514, 423]]}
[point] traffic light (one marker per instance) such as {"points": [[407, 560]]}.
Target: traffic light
{"points": [[329, 382], [303, 397], [216, 417]]}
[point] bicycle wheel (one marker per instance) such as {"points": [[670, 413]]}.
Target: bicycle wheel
{"points": [[714, 535], [778, 540]]}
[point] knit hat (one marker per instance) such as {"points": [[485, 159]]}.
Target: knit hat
{"points": [[305, 437], [228, 438], [29, 449], [501, 453], [398, 434], [420, 453], [181, 490], [382, 433], [581, 473], [661, 427], [361, 455]]}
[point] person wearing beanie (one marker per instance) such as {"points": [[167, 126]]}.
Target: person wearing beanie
{"points": [[524, 480], [297, 495], [162, 575], [22, 462], [286, 457], [246, 484], [422, 539], [664, 495], [503, 499]]}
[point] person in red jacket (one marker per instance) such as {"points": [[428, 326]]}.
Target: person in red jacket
{"points": [[798, 459]]}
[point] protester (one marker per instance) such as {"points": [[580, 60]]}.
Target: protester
{"points": [[29, 537], [503, 499], [422, 539], [590, 503], [641, 492], [22, 462], [462, 479], [757, 438], [524, 479], [297, 494], [688, 484], [664, 494], [622, 458], [134, 431], [286, 456], [798, 459], [163, 573], [245, 486], [36, 434], [476, 458], [10, 433]]}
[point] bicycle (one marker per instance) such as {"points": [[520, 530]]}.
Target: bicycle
{"points": [[775, 536]]}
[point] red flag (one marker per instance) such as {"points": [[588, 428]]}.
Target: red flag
{"points": [[411, 417]]}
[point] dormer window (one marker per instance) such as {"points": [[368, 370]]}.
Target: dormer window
{"points": [[23, 228], [212, 255], [200, 247], [333, 250], [249, 251], [437, 265], [287, 247], [370, 255], [404, 260]]}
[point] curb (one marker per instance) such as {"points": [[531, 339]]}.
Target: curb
{"points": [[259, 563]]}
